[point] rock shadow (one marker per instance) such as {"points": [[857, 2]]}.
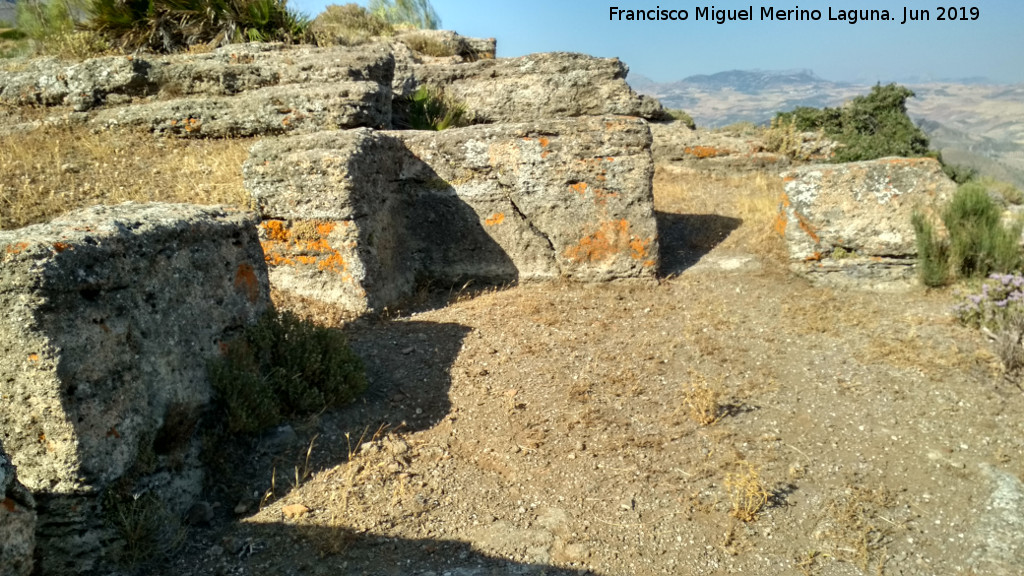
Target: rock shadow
{"points": [[328, 551], [408, 369], [686, 238], [408, 365]]}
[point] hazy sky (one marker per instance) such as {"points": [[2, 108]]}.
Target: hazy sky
{"points": [[992, 46]]}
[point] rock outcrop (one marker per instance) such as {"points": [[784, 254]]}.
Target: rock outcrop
{"points": [[108, 317], [17, 522], [534, 87], [359, 217], [851, 223], [269, 89]]}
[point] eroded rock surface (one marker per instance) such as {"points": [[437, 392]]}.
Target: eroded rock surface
{"points": [[17, 522], [359, 217], [852, 222], [536, 86], [108, 316]]}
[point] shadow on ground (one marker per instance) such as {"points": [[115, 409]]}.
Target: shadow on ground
{"points": [[686, 238], [408, 365]]}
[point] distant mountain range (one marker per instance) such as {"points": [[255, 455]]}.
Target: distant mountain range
{"points": [[972, 121]]}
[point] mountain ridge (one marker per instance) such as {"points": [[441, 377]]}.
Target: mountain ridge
{"points": [[982, 123]]}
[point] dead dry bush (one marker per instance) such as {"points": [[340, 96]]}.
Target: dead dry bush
{"points": [[54, 170]]}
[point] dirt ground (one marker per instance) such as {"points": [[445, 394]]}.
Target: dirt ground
{"points": [[729, 418]]}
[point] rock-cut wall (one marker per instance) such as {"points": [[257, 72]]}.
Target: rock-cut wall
{"points": [[359, 217], [107, 319], [851, 223]]}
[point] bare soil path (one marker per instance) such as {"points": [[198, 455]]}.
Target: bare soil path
{"points": [[729, 418]]}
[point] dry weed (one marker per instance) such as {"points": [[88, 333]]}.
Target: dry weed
{"points": [[53, 170], [747, 493], [704, 400], [752, 198], [858, 526]]}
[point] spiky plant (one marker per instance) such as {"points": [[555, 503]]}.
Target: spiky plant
{"points": [[414, 13]]}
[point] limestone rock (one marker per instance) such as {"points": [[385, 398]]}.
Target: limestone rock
{"points": [[533, 87], [705, 151], [108, 316], [17, 522], [852, 222], [265, 111], [461, 48], [357, 217]]}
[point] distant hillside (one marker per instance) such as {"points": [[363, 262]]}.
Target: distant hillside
{"points": [[980, 125]]}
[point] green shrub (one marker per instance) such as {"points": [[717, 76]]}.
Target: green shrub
{"points": [[869, 127], [407, 13], [932, 253], [51, 27], [284, 366], [958, 173], [13, 35], [430, 108], [170, 25], [977, 242], [348, 25], [681, 116]]}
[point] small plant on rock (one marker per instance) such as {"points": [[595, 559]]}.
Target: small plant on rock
{"points": [[284, 366], [430, 108]]}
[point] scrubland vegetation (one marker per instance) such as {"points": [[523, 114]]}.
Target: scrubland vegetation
{"points": [[86, 28]]}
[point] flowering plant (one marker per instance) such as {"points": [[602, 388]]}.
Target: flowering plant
{"points": [[999, 312], [1001, 298]]}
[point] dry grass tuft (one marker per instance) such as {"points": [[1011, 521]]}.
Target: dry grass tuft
{"points": [[54, 170], [704, 400], [752, 198], [747, 493]]}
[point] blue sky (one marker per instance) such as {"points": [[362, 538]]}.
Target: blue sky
{"points": [[992, 46]]}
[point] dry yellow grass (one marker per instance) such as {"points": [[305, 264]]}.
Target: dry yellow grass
{"points": [[752, 198], [54, 170], [747, 493]]}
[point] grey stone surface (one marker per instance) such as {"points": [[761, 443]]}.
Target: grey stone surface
{"points": [[536, 86], [108, 316], [358, 217], [265, 111], [998, 531], [852, 222], [17, 522]]}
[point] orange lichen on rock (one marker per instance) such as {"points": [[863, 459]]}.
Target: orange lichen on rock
{"points": [[275, 230], [640, 250], [611, 239], [33, 357], [303, 242], [703, 152], [61, 246], [247, 283], [807, 227], [16, 248], [333, 263], [579, 187], [495, 219], [544, 142], [780, 223]]}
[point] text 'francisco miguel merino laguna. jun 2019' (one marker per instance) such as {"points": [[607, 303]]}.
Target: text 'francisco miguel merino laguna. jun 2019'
{"points": [[901, 15]]}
